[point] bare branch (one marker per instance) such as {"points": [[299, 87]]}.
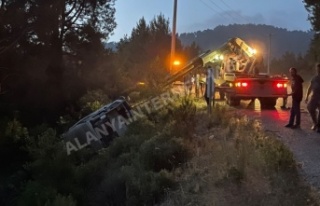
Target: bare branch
{"points": [[14, 42], [2, 92], [3, 40], [1, 82], [2, 2], [71, 10], [77, 14]]}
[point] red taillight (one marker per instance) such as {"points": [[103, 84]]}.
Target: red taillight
{"points": [[244, 84], [241, 84], [281, 85]]}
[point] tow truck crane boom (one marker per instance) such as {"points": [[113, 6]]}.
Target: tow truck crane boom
{"points": [[233, 47]]}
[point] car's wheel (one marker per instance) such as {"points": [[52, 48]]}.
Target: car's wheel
{"points": [[222, 95], [233, 101]]}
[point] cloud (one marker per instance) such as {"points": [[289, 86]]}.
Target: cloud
{"points": [[277, 18], [224, 18], [290, 20]]}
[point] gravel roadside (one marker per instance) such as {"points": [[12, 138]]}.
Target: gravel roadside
{"points": [[304, 142]]}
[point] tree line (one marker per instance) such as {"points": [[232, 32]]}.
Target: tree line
{"points": [[52, 53]]}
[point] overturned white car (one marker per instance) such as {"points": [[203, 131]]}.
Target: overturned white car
{"points": [[99, 128]]}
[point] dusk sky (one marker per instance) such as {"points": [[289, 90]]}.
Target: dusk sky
{"points": [[198, 15]]}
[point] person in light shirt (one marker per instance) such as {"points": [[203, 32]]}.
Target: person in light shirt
{"points": [[314, 103]]}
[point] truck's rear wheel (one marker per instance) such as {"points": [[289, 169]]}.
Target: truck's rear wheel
{"points": [[233, 101], [222, 95], [267, 102]]}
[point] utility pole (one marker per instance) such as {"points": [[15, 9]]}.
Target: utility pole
{"points": [[269, 53], [173, 36]]}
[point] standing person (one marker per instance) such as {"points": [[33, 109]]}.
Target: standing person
{"points": [[188, 84], [209, 90], [192, 83], [197, 85], [202, 83], [206, 95], [297, 94], [314, 102]]}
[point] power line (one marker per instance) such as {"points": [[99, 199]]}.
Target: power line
{"points": [[226, 4], [229, 7], [209, 7], [231, 15], [223, 11]]}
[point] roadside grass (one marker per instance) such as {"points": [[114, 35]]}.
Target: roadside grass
{"points": [[235, 162]]}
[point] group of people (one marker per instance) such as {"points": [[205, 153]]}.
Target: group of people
{"points": [[197, 83], [313, 104]]}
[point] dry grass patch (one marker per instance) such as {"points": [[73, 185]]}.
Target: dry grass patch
{"points": [[236, 163]]}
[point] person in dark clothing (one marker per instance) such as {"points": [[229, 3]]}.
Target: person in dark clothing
{"points": [[208, 96], [314, 102], [297, 93]]}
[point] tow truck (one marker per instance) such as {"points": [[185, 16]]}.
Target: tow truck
{"points": [[237, 77], [237, 74]]}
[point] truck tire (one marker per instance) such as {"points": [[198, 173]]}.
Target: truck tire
{"points": [[233, 101], [268, 102], [222, 95]]}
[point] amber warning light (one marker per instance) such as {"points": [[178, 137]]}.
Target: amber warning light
{"points": [[176, 62], [140, 83]]}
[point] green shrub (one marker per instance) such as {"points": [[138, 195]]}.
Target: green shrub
{"points": [[60, 200], [36, 194], [137, 133], [132, 185], [235, 175], [146, 187], [93, 101], [164, 152], [15, 130], [277, 156], [184, 118]]}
